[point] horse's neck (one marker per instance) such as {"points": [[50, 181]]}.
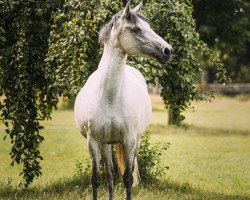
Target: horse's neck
{"points": [[112, 67]]}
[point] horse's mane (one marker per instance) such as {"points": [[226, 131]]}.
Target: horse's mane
{"points": [[106, 29]]}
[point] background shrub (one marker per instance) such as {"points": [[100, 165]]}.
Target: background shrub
{"points": [[149, 159]]}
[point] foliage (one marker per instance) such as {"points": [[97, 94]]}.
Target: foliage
{"points": [[149, 159], [24, 29], [83, 170], [224, 23], [73, 46], [243, 74], [225, 26]]}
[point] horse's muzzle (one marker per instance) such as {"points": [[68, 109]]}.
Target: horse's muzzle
{"points": [[165, 55], [163, 59]]}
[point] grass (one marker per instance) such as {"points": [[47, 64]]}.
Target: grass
{"points": [[209, 157]]}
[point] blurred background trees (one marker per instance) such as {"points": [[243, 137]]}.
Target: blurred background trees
{"points": [[225, 26]]}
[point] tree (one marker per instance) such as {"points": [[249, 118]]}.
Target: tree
{"points": [[44, 56], [225, 26], [75, 30], [24, 33]]}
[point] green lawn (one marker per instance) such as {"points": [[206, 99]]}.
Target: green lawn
{"points": [[209, 158]]}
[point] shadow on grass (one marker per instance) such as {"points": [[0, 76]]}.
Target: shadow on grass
{"points": [[80, 187], [59, 188], [187, 129], [186, 191]]}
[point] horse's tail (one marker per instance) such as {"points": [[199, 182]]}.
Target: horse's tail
{"points": [[120, 159]]}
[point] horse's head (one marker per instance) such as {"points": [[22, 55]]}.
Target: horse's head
{"points": [[131, 31]]}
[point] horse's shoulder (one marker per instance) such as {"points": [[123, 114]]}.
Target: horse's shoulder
{"points": [[91, 82], [135, 74], [93, 76], [133, 70]]}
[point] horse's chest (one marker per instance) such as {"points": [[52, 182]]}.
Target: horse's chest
{"points": [[108, 124]]}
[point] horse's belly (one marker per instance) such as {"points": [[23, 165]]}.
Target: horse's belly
{"points": [[110, 123], [107, 129]]}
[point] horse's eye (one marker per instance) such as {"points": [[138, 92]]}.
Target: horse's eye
{"points": [[136, 29]]}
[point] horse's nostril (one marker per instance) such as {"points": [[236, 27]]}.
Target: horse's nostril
{"points": [[167, 51]]}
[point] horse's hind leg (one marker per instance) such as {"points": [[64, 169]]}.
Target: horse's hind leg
{"points": [[106, 152], [94, 150]]}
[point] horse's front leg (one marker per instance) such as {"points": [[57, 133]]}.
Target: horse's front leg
{"points": [[106, 152], [94, 150], [130, 153]]}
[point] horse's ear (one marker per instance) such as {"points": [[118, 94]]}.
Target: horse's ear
{"points": [[126, 10], [138, 8]]}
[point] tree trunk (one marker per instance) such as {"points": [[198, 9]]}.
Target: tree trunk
{"points": [[170, 116]]}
